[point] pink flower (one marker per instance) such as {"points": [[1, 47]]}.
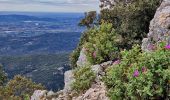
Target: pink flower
{"points": [[167, 46], [116, 62], [94, 54], [136, 73], [144, 69]]}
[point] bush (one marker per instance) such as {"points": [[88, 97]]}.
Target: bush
{"points": [[18, 88], [84, 76], [102, 44], [140, 75], [131, 19]]}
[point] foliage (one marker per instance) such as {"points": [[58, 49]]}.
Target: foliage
{"points": [[89, 19], [84, 76], [3, 76], [5, 94], [102, 44], [140, 75], [19, 87], [130, 19]]}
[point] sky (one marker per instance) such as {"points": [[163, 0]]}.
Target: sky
{"points": [[49, 5]]}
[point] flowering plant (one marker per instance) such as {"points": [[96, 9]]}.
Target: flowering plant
{"points": [[140, 75], [102, 44]]}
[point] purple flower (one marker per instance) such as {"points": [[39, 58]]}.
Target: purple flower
{"points": [[116, 62], [144, 69], [167, 46], [136, 73]]}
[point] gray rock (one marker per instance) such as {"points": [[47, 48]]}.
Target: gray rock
{"points": [[159, 27], [68, 80], [82, 60], [97, 69], [51, 94], [97, 92], [39, 95]]}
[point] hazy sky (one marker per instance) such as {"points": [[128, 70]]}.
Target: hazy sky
{"points": [[49, 5]]}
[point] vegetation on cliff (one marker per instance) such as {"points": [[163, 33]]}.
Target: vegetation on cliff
{"points": [[130, 22], [18, 88], [139, 74]]}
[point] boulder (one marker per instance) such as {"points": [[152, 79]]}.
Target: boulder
{"points": [[159, 29], [68, 80], [82, 60], [97, 69], [39, 95]]}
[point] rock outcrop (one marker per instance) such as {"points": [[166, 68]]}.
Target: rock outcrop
{"points": [[68, 80], [96, 92], [82, 60], [159, 27], [44, 95]]}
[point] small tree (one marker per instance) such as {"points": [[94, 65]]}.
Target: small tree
{"points": [[18, 88], [89, 19], [130, 18]]}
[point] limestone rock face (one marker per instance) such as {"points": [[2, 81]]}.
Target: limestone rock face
{"points": [[44, 95], [82, 60], [68, 80], [39, 95], [159, 27]]}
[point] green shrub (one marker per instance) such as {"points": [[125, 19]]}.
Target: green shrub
{"points": [[19, 88], [140, 76], [102, 44], [84, 76], [131, 20]]}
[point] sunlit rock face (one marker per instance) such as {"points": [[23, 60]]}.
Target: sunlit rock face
{"points": [[82, 60], [159, 27]]}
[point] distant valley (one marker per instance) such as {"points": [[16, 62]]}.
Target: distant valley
{"points": [[37, 45], [22, 34]]}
